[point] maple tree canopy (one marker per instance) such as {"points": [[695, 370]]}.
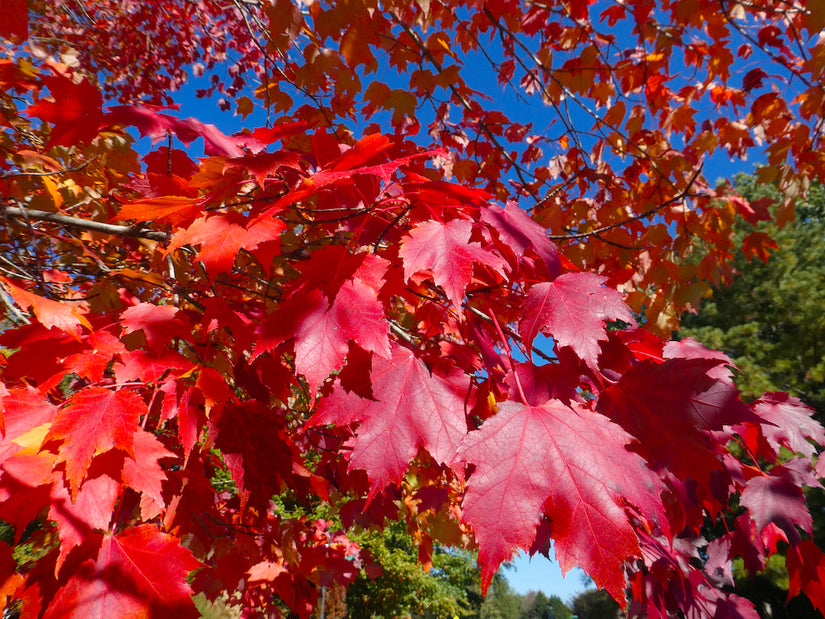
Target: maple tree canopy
{"points": [[391, 300]]}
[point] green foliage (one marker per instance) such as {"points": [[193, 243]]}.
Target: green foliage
{"points": [[770, 319], [595, 604], [405, 587], [501, 602], [539, 606]]}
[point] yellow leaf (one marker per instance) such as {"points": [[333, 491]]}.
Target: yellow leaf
{"points": [[52, 189], [244, 107], [31, 441]]}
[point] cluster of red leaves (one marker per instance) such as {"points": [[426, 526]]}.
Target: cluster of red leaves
{"points": [[328, 321]]}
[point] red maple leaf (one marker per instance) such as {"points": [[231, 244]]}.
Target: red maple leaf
{"points": [[572, 465], [75, 114], [96, 420], [143, 472], [412, 409], [572, 309], [790, 423], [445, 250], [159, 323], [173, 209], [356, 314], [150, 122], [521, 233], [140, 572], [247, 437], [221, 236], [775, 498], [91, 509], [806, 571], [15, 22], [669, 407], [688, 348]]}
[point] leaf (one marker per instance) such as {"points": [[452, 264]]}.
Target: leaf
{"points": [[689, 348], [150, 122], [790, 423], [445, 250], [412, 409], [95, 420], [247, 437], [143, 472], [65, 316], [75, 114], [140, 572], [776, 499], [160, 323], [572, 309], [91, 509], [320, 347], [172, 209], [221, 236], [806, 571], [669, 407], [15, 22], [569, 463], [521, 233], [356, 314]]}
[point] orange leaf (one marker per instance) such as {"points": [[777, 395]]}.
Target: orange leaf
{"points": [[65, 316]]}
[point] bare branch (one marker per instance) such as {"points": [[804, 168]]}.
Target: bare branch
{"points": [[137, 232]]}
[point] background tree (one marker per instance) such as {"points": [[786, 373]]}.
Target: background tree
{"points": [[595, 604], [536, 605], [769, 320], [449, 587], [501, 602], [769, 317], [228, 355]]}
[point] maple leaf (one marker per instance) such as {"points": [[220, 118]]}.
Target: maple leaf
{"points": [[790, 423], [15, 23], [412, 409], [150, 122], [140, 572], [572, 309], [569, 463], [669, 407], [356, 314], [174, 209], [320, 347], [445, 250], [220, 237], [95, 420], [90, 509], [24, 411], [775, 498], [159, 323], [65, 316], [247, 437], [521, 233], [75, 114], [806, 571], [143, 472], [689, 348]]}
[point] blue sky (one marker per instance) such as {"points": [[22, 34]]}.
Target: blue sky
{"points": [[540, 574]]}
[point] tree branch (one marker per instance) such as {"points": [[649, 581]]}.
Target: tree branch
{"points": [[136, 232]]}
